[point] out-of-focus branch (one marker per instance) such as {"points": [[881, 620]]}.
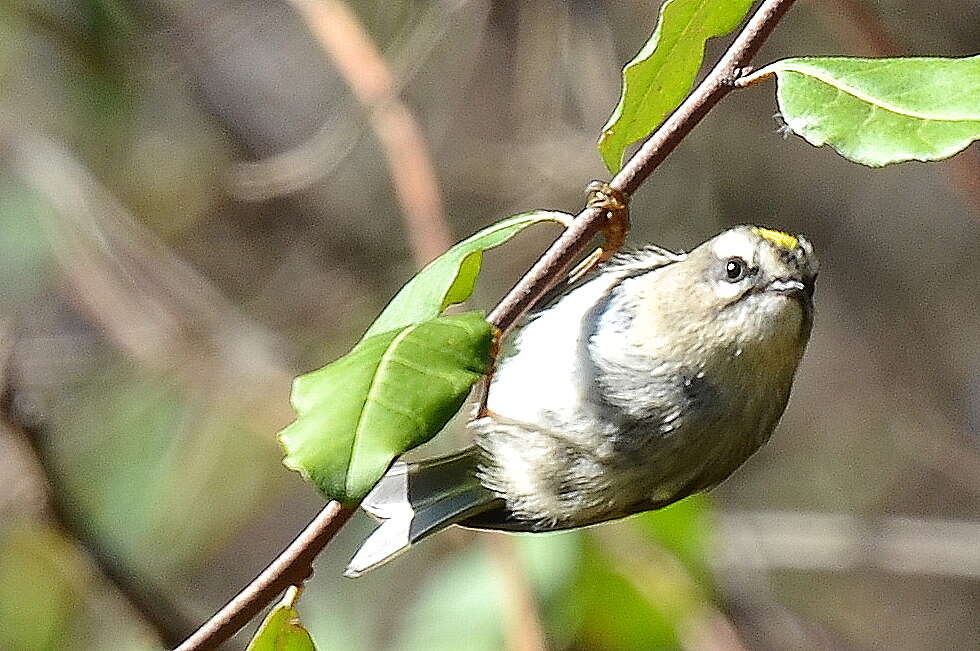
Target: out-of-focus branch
{"points": [[859, 27], [151, 303], [346, 42], [324, 151], [349, 46], [154, 608], [174, 308], [829, 542], [157, 308], [523, 625]]}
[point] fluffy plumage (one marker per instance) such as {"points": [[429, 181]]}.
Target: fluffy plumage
{"points": [[653, 380]]}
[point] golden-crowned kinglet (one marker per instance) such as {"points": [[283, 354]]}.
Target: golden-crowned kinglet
{"points": [[652, 380]]}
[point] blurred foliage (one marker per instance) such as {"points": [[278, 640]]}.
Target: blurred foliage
{"points": [[22, 244], [160, 310], [50, 597], [468, 599], [41, 585]]}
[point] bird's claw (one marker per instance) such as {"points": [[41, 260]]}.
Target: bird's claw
{"points": [[615, 204]]}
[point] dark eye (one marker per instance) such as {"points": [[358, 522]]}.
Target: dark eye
{"points": [[736, 270]]}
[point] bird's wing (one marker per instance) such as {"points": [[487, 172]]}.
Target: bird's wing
{"points": [[624, 264]]}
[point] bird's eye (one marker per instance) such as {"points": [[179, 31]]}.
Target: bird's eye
{"points": [[736, 269]]}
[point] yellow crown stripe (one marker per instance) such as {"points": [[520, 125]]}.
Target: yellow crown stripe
{"points": [[779, 238]]}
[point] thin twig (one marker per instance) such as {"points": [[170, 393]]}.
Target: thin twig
{"points": [[557, 260], [523, 625], [352, 51], [344, 39], [154, 607], [293, 565]]}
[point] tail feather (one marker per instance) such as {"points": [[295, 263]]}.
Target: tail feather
{"points": [[416, 500]]}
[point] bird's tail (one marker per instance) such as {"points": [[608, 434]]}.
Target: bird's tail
{"points": [[417, 499]]}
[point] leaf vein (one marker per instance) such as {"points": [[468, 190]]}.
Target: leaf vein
{"points": [[862, 96], [371, 395], [427, 372]]}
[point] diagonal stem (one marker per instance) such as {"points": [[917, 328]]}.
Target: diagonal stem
{"points": [[719, 82], [292, 566]]}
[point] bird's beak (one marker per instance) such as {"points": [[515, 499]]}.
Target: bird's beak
{"points": [[791, 287]]}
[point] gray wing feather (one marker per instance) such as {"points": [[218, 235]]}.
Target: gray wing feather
{"points": [[414, 501]]}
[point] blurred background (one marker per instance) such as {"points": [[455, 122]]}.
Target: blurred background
{"points": [[201, 199]]}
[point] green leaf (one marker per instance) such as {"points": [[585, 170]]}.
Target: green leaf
{"points": [[881, 111], [393, 392], [658, 79], [409, 374], [281, 629], [450, 278]]}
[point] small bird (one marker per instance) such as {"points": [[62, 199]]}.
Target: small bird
{"points": [[650, 381]]}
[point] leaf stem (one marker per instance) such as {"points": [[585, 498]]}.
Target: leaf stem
{"points": [[292, 595], [751, 79]]}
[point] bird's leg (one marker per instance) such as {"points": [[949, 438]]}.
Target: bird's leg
{"points": [[615, 203], [481, 410]]}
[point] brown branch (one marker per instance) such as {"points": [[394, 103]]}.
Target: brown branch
{"points": [[292, 567], [294, 564], [719, 82], [155, 609], [342, 37], [860, 27], [523, 624]]}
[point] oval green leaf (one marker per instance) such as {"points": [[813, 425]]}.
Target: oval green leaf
{"points": [[658, 79], [881, 111], [281, 629], [450, 278], [393, 392]]}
